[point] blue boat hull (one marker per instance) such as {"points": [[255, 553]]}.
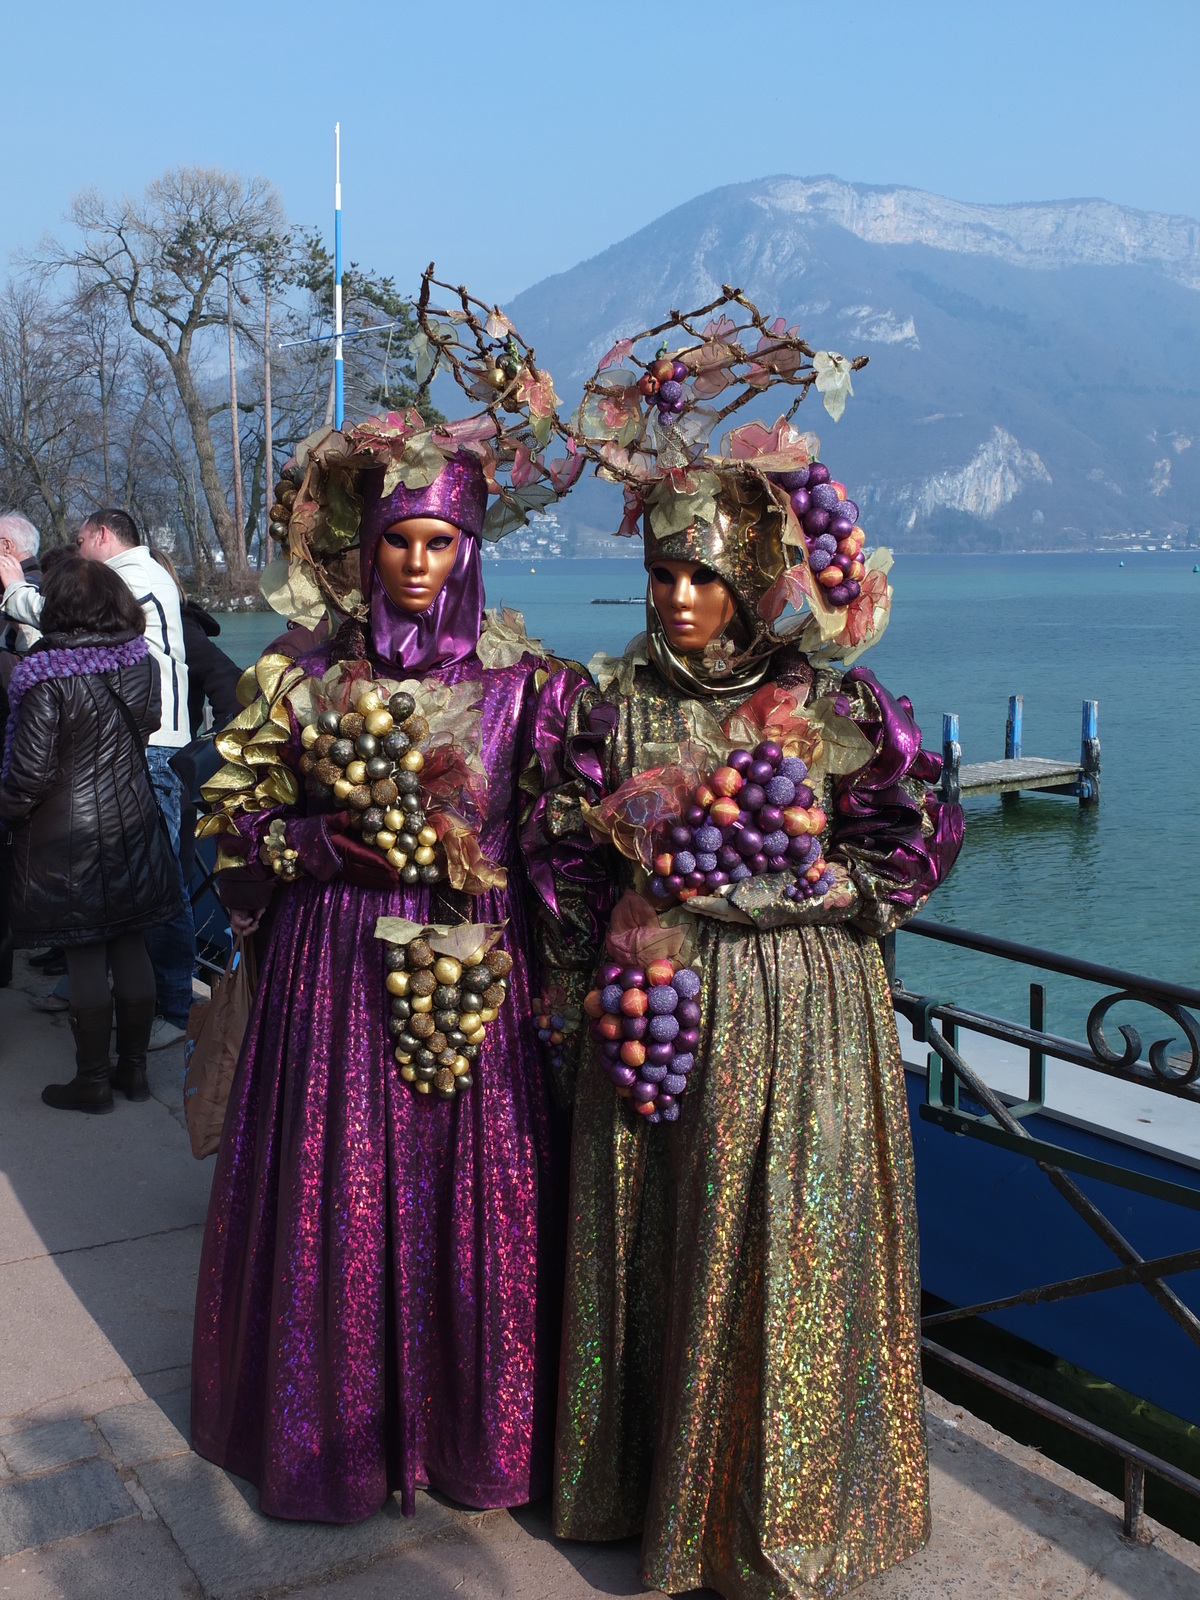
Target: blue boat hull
{"points": [[992, 1224]]}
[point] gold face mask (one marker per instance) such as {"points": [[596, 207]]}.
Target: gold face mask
{"points": [[743, 547], [694, 605]]}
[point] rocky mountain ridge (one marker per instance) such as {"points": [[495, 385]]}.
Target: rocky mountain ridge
{"points": [[1034, 379]]}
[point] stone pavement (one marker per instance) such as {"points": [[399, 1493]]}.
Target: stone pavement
{"points": [[100, 1223]]}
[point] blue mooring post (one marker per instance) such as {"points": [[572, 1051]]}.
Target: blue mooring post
{"points": [[1012, 728], [951, 756], [1012, 746], [1089, 754]]}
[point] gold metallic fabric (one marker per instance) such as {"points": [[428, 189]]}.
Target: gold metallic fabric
{"points": [[740, 1377], [743, 543]]}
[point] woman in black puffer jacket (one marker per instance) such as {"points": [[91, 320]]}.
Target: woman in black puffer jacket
{"points": [[92, 862]]}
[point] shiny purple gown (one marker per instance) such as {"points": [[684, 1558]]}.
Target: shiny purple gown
{"points": [[380, 1285]]}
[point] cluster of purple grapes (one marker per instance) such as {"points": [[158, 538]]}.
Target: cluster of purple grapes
{"points": [[648, 1024], [662, 382], [756, 814], [828, 519]]}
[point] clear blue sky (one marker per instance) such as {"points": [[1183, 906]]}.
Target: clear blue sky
{"points": [[510, 140]]}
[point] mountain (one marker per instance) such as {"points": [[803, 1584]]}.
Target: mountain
{"points": [[1034, 379]]}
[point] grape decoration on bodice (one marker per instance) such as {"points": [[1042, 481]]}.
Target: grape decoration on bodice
{"points": [[368, 760], [647, 1021], [832, 539], [756, 814]]}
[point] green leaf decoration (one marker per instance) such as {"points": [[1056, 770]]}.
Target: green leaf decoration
{"points": [[833, 381], [672, 511], [343, 510], [421, 462], [290, 588], [503, 516]]}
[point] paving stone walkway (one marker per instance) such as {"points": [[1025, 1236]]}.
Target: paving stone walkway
{"points": [[102, 1499]]}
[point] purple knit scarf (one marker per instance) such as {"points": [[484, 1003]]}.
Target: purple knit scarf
{"points": [[39, 666]]}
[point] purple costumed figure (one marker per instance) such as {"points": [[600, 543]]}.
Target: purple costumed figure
{"points": [[378, 1298]]}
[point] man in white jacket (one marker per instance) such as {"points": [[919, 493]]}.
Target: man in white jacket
{"points": [[111, 536]]}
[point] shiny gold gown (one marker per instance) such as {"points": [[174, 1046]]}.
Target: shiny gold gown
{"points": [[740, 1378]]}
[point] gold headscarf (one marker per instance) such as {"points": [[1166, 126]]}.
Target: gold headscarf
{"points": [[743, 544]]}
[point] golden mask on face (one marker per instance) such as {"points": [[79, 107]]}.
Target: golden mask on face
{"points": [[694, 604], [414, 559]]}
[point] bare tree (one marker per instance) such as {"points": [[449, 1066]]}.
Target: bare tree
{"points": [[166, 257], [46, 414]]}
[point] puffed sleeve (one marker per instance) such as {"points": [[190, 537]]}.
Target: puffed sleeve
{"points": [[896, 839], [572, 879], [257, 784]]}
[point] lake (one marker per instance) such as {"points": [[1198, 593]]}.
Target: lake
{"points": [[1116, 883]]}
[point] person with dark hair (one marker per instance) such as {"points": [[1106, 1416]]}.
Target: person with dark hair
{"points": [[110, 537], [92, 862]]}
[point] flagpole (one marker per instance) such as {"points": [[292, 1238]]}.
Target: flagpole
{"points": [[338, 398]]}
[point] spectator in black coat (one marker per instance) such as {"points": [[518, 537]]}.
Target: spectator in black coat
{"points": [[92, 866]]}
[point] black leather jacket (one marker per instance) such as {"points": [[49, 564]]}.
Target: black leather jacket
{"points": [[91, 859]]}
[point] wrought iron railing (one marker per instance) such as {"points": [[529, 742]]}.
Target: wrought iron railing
{"points": [[936, 1023]]}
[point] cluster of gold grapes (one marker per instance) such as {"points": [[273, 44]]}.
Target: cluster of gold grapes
{"points": [[369, 760], [440, 1010]]}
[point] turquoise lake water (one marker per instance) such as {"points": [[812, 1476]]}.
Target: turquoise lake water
{"points": [[1116, 883]]}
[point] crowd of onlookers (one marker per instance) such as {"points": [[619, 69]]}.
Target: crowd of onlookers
{"points": [[107, 675]]}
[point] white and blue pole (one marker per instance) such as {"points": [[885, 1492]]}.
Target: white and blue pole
{"points": [[338, 397]]}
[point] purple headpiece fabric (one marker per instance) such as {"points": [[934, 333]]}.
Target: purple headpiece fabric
{"points": [[449, 631]]}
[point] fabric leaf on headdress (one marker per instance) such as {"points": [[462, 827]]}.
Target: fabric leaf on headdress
{"points": [[618, 353], [536, 390], [794, 587], [343, 510], [526, 467], [680, 500], [776, 353], [613, 411], [833, 381], [425, 349], [711, 362], [497, 325], [465, 431], [290, 588], [565, 471], [868, 615], [634, 505], [777, 449], [420, 463], [637, 937]]}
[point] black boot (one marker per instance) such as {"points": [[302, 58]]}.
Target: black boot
{"points": [[134, 1019], [89, 1089]]}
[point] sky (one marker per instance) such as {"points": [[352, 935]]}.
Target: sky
{"points": [[510, 141]]}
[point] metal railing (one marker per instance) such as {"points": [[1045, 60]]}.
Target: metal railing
{"points": [[936, 1023]]}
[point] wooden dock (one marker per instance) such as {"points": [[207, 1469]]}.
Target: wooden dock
{"points": [[1079, 779], [1027, 772]]}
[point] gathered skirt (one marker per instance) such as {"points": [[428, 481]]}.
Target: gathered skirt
{"points": [[380, 1284], [741, 1379]]}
